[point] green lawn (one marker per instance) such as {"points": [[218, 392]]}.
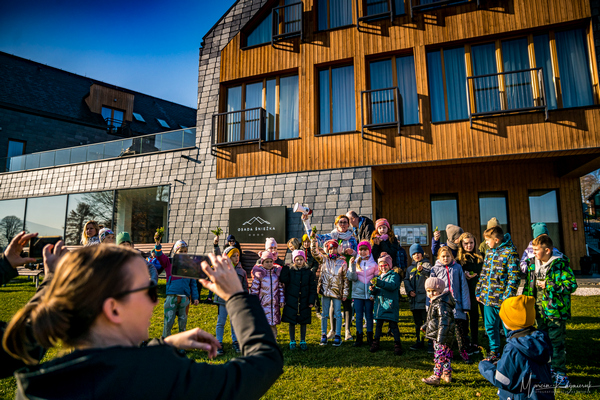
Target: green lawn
{"points": [[346, 372]]}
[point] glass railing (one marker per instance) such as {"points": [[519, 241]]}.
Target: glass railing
{"points": [[172, 140]]}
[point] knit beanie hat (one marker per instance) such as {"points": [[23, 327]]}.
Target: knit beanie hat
{"points": [[381, 222], [304, 238], [539, 228], [103, 233], [265, 255], [493, 222], [298, 253], [416, 248], [329, 244], [386, 258], [230, 238], [123, 237], [178, 245], [230, 251], [518, 312], [453, 233], [270, 242], [366, 244], [435, 283]]}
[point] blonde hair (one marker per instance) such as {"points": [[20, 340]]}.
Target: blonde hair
{"points": [[444, 249], [391, 236], [83, 280], [84, 237], [295, 243], [461, 257]]}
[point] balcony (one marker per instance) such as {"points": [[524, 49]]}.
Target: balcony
{"points": [[117, 127], [288, 22], [382, 108], [506, 93], [417, 6], [374, 10], [238, 127], [172, 140]]}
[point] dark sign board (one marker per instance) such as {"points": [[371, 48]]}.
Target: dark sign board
{"points": [[254, 225]]}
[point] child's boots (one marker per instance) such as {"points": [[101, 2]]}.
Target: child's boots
{"points": [[359, 340], [398, 348], [374, 346], [369, 339]]}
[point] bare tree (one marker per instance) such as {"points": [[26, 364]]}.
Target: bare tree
{"points": [[75, 221], [10, 226]]}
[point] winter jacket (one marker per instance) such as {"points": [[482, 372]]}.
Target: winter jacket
{"points": [[360, 274], [310, 260], [472, 266], [389, 247], [523, 372], [560, 283], [528, 254], [270, 291], [440, 319], [332, 279], [435, 247], [365, 229], [130, 372], [415, 282], [346, 240], [184, 286], [387, 296], [499, 278], [300, 292], [456, 283], [7, 272], [243, 276], [402, 258]]}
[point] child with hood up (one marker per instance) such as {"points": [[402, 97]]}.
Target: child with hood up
{"points": [[414, 284], [361, 271], [267, 286], [300, 295]]}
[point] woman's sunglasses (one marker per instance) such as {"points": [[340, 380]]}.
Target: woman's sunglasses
{"points": [[152, 292]]}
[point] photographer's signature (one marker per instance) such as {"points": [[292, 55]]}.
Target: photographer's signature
{"points": [[526, 386]]}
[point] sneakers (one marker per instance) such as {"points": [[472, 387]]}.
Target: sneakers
{"points": [[348, 335], [236, 346], [220, 350], [323, 341], [331, 334], [561, 381], [417, 346], [465, 357], [433, 380], [446, 377], [472, 349], [337, 341], [303, 346], [492, 357], [293, 345]]}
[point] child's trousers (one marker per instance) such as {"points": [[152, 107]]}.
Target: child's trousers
{"points": [[557, 331], [221, 320], [175, 307], [337, 314], [393, 328], [442, 359], [492, 321], [419, 316], [364, 309]]}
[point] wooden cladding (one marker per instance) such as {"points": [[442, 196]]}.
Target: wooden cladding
{"points": [[407, 192], [110, 98]]}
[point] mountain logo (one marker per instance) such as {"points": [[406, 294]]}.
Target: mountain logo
{"points": [[254, 220]]}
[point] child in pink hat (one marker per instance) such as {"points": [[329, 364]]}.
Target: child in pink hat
{"points": [[360, 273], [267, 286]]}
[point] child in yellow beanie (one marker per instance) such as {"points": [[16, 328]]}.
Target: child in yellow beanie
{"points": [[523, 371]]}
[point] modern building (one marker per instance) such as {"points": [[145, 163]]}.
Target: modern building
{"points": [[423, 112]]}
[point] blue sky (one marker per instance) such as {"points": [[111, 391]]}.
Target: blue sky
{"points": [[150, 47]]}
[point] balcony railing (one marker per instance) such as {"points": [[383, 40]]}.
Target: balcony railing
{"points": [[382, 108], [172, 140], [238, 127], [117, 127], [506, 92], [288, 21], [375, 9], [417, 6]]}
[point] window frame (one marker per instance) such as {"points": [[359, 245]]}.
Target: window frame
{"points": [[329, 28], [558, 211], [319, 68], [500, 193], [431, 199]]}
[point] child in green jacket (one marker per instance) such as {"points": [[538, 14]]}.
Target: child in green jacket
{"points": [[551, 281], [387, 308]]}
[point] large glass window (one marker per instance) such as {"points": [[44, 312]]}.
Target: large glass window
{"points": [[334, 13], [543, 207], [487, 91], [141, 211], [46, 215], [337, 111], [573, 65], [12, 213], [374, 7], [444, 211], [261, 33], [493, 205], [447, 83], [114, 118], [97, 206], [541, 44]]}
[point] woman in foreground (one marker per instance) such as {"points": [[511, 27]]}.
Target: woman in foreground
{"points": [[100, 302]]}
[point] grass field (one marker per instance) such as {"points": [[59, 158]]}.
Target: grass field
{"points": [[348, 373]]}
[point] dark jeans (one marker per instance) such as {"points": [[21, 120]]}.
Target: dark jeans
{"points": [[393, 328], [462, 327], [364, 309], [476, 309], [419, 316]]}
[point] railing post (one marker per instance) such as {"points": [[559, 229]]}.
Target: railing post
{"points": [[469, 103], [362, 115], [543, 87], [398, 111], [391, 7]]}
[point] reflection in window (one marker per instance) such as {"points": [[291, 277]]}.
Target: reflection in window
{"points": [[46, 215], [493, 205], [11, 220], [449, 101], [543, 207], [334, 13], [97, 206], [261, 33], [444, 211], [336, 100], [141, 211]]}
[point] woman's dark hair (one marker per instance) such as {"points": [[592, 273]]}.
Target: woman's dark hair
{"points": [[83, 280]]}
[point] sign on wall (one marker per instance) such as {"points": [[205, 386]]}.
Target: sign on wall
{"points": [[409, 234], [254, 225]]}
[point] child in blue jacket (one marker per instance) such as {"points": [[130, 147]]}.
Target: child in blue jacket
{"points": [[523, 371]]}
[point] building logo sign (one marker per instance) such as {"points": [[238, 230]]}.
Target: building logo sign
{"points": [[254, 225]]}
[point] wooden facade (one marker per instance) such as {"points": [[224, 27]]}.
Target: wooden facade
{"points": [[112, 98], [511, 136]]}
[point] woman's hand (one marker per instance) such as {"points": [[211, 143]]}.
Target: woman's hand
{"points": [[52, 253], [194, 339], [14, 249], [223, 280]]}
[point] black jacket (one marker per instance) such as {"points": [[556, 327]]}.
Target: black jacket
{"points": [[364, 230], [300, 292], [440, 319], [157, 372], [389, 247]]}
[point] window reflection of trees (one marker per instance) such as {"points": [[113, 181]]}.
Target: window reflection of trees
{"points": [[141, 211], [10, 226], [97, 206]]}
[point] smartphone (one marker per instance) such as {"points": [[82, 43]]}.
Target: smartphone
{"points": [[37, 244], [189, 266]]}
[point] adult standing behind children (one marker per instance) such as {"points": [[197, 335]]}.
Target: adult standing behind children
{"points": [[499, 280], [362, 227], [551, 281], [453, 232]]}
